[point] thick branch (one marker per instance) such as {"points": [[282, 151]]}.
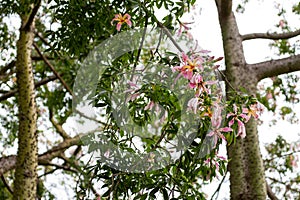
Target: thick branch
{"points": [[8, 163], [276, 67], [271, 36], [37, 84]]}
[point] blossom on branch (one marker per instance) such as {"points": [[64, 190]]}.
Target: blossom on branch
{"points": [[189, 65], [121, 19], [235, 117], [254, 110], [217, 130], [200, 85]]}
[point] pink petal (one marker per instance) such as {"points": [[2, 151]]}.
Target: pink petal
{"points": [[211, 82], [132, 84], [245, 110], [149, 105], [221, 157], [229, 115], [127, 16], [226, 129], [231, 122], [243, 116], [192, 85], [222, 136], [119, 26], [128, 22], [242, 131], [184, 57], [211, 133]]}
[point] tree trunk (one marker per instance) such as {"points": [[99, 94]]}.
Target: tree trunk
{"points": [[247, 179], [26, 167]]}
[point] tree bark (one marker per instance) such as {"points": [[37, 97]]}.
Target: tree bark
{"points": [[247, 179], [25, 180]]}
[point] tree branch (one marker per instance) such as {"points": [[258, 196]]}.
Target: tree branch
{"points": [[6, 184], [8, 163], [271, 36], [58, 126], [53, 69], [37, 84], [276, 67], [270, 193], [27, 25], [7, 67], [284, 183], [219, 187]]}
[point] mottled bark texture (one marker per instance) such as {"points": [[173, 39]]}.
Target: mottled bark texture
{"points": [[27, 157], [247, 179]]}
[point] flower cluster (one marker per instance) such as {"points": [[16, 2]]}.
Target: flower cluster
{"points": [[192, 68], [243, 117]]}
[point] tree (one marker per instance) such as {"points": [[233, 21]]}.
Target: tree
{"points": [[26, 165], [60, 32]]}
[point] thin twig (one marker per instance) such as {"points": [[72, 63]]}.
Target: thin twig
{"points": [[6, 185], [140, 48], [226, 80], [283, 155], [219, 186], [58, 126], [169, 35]]}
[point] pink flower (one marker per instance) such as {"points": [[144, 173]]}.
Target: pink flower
{"points": [[216, 131], [282, 23], [133, 91], [150, 105], [193, 104], [121, 20], [236, 117], [188, 66], [197, 82], [254, 110], [214, 161], [184, 27]]}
